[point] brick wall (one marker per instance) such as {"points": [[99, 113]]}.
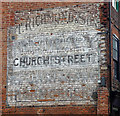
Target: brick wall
{"points": [[8, 11], [115, 30]]}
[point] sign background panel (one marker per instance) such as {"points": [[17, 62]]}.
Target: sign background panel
{"points": [[53, 62]]}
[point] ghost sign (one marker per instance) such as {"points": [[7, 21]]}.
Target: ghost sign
{"points": [[53, 57]]}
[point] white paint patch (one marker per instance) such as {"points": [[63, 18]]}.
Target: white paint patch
{"points": [[53, 63]]}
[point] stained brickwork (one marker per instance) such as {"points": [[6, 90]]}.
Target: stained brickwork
{"points": [[54, 56]]}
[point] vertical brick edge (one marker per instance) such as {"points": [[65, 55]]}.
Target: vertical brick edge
{"points": [[0, 58]]}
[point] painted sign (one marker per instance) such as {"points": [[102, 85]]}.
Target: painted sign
{"points": [[53, 57]]}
